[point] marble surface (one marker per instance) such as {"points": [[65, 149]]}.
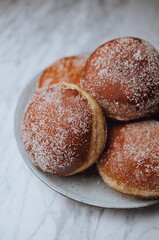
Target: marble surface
{"points": [[32, 35]]}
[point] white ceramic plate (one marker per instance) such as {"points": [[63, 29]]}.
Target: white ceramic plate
{"points": [[86, 187]]}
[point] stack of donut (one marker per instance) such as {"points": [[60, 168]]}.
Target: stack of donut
{"points": [[64, 129]]}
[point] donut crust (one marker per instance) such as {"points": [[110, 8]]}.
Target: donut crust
{"points": [[67, 69], [130, 163], [63, 130], [123, 76]]}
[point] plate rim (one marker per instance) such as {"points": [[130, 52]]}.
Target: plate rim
{"points": [[67, 195]]}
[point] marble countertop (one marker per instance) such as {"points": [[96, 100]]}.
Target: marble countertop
{"points": [[32, 35]]}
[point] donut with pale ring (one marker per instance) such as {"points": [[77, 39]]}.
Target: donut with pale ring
{"points": [[63, 129], [123, 76], [67, 69], [130, 163]]}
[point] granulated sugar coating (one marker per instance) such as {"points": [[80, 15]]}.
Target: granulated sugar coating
{"points": [[123, 76], [132, 156], [67, 69], [56, 129]]}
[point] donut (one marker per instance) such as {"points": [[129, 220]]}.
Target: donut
{"points": [[130, 163], [63, 129], [123, 76], [67, 69]]}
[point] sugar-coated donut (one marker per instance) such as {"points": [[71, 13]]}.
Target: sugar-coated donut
{"points": [[130, 163], [123, 76], [67, 69], [63, 129]]}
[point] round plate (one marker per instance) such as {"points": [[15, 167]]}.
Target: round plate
{"points": [[86, 187]]}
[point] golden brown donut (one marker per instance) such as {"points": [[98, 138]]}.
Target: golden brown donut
{"points": [[130, 163], [67, 69], [123, 76], [63, 129]]}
